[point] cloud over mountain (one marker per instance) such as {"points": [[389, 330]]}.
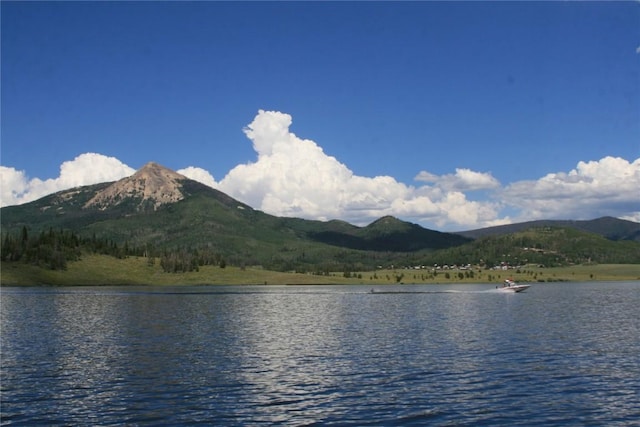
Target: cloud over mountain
{"points": [[292, 176], [610, 186], [85, 169], [295, 177], [198, 174]]}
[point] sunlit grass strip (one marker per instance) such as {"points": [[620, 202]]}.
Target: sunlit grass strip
{"points": [[106, 270]]}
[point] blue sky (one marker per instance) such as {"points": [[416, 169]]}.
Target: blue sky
{"points": [[454, 115]]}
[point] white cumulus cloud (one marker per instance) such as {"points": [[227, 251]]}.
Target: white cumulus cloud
{"points": [[463, 180], [86, 169], [198, 174], [293, 176], [609, 186]]}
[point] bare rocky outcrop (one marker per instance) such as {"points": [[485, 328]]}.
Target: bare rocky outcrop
{"points": [[150, 187]]}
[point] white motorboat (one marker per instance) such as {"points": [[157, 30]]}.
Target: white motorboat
{"points": [[510, 286]]}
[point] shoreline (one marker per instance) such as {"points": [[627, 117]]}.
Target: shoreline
{"points": [[107, 271]]}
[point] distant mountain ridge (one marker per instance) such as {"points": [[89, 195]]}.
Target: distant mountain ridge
{"points": [[160, 196], [161, 210], [608, 227], [389, 234]]}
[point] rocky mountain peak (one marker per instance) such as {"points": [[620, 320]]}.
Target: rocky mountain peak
{"points": [[149, 188]]}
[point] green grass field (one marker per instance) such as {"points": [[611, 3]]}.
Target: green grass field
{"points": [[576, 273], [106, 270]]}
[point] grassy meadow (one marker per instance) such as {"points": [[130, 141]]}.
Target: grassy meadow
{"points": [[107, 270]]}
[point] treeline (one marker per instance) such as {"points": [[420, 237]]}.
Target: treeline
{"points": [[53, 249], [185, 260], [544, 246]]}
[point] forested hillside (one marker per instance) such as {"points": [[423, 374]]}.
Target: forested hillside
{"points": [[182, 225]]}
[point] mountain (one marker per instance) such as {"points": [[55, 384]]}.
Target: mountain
{"points": [[608, 227], [548, 246], [149, 188], [389, 234], [160, 210]]}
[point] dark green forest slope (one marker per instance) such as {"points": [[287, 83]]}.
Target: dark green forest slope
{"points": [[202, 225]]}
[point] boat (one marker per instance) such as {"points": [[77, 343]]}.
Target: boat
{"points": [[510, 286]]}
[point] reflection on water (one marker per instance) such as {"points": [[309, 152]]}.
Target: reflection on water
{"points": [[558, 354]]}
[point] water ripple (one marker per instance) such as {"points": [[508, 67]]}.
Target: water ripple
{"points": [[556, 355]]}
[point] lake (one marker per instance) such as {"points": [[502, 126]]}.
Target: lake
{"points": [[557, 354]]}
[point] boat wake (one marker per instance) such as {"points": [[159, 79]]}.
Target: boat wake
{"points": [[442, 291]]}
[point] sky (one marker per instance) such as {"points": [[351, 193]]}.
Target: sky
{"points": [[451, 115]]}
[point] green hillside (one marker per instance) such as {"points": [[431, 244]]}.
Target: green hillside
{"points": [[608, 227], [206, 227], [388, 234], [207, 220], [549, 246]]}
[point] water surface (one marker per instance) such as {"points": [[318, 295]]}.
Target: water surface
{"points": [[557, 354]]}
